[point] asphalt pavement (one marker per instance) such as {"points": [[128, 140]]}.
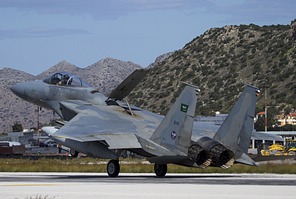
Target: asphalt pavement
{"points": [[99, 185]]}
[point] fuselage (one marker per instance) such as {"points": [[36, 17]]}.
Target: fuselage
{"points": [[49, 95]]}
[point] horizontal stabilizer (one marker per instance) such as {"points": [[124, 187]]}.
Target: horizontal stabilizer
{"points": [[128, 84], [245, 159]]}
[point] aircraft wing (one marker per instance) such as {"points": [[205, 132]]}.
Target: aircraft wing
{"points": [[128, 84], [94, 123]]}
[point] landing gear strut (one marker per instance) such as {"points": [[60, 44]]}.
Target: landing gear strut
{"points": [[160, 169], [73, 153], [113, 168]]}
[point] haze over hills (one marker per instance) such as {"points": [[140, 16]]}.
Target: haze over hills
{"points": [[104, 75], [220, 61]]}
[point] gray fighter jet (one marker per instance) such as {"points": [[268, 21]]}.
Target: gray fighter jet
{"points": [[103, 127]]}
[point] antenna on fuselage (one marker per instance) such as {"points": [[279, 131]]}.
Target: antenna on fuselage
{"points": [[129, 107]]}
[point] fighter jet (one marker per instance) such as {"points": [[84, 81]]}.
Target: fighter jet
{"points": [[103, 127]]}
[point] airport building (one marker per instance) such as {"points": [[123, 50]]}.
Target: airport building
{"points": [[258, 138]]}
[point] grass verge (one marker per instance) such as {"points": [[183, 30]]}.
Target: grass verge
{"points": [[128, 166]]}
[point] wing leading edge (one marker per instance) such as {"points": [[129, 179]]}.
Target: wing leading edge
{"points": [[128, 84]]}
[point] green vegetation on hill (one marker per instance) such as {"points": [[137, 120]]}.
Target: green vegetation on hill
{"points": [[220, 61]]}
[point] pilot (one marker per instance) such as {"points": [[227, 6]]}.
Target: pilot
{"points": [[64, 80], [55, 79]]}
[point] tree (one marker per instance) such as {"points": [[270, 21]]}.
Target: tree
{"points": [[260, 124], [17, 127], [288, 127]]}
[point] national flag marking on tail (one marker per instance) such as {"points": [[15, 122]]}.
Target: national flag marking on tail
{"points": [[184, 108]]}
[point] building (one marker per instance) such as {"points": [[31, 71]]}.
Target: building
{"points": [[286, 119]]}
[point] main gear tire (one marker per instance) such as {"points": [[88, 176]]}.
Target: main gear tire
{"points": [[160, 169], [113, 168]]}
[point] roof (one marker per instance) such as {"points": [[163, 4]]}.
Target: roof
{"points": [[266, 136], [261, 113], [284, 133]]}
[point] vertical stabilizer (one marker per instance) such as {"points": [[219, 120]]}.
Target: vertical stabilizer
{"points": [[175, 130], [235, 132]]}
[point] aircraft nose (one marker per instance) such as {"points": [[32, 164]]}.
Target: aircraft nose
{"points": [[18, 89]]}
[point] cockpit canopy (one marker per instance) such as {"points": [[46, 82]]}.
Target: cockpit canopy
{"points": [[66, 79]]}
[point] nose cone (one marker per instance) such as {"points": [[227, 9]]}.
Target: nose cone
{"points": [[18, 89]]}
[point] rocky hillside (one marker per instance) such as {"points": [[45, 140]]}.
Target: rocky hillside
{"points": [[220, 61], [104, 75]]}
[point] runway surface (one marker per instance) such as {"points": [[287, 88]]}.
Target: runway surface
{"points": [[94, 185]]}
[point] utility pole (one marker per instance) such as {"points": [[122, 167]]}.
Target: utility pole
{"points": [[265, 121], [38, 126]]}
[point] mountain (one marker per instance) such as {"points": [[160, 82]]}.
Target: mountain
{"points": [[107, 73], [12, 108], [104, 75], [61, 66], [159, 59], [220, 62]]}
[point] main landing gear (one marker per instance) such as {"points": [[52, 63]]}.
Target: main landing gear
{"points": [[160, 169], [113, 169], [74, 153]]}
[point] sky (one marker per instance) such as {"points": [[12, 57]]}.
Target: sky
{"points": [[37, 34]]}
